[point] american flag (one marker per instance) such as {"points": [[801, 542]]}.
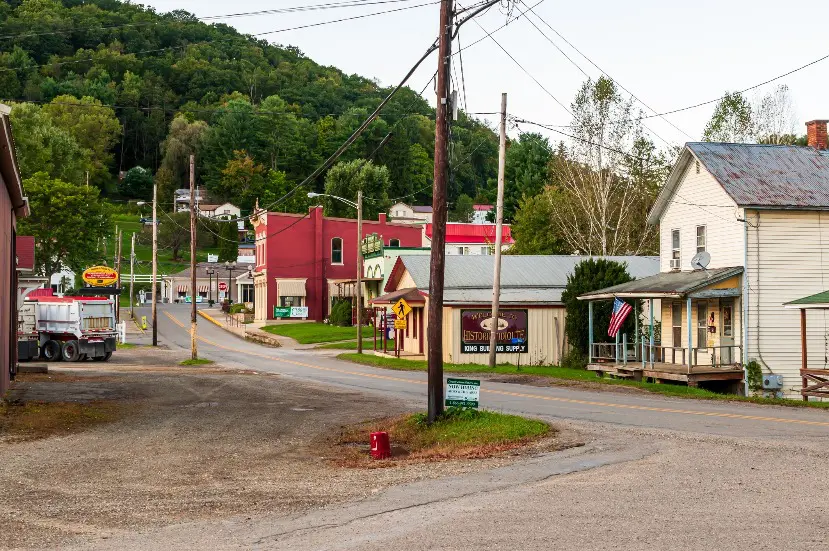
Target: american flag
{"points": [[621, 309]]}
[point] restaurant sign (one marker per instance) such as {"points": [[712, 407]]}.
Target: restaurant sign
{"points": [[100, 276], [511, 334]]}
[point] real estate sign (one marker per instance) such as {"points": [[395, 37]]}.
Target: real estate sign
{"points": [[463, 392], [511, 336]]}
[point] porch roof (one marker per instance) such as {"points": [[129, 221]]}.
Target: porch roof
{"points": [[665, 285], [410, 295], [817, 301]]}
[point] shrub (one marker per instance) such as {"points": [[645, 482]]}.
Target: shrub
{"points": [[340, 313], [755, 375], [238, 308], [574, 359]]}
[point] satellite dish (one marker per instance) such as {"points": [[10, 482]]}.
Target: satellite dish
{"points": [[701, 260]]}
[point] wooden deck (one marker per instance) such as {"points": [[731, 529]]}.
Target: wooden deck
{"points": [[669, 372]]}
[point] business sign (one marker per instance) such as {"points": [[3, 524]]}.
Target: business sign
{"points": [[100, 276], [299, 311], [212, 258], [290, 311], [511, 335], [463, 392], [223, 286], [189, 299]]}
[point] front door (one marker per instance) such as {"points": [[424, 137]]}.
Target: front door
{"points": [[727, 332]]}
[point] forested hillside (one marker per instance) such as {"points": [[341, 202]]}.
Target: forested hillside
{"points": [[112, 86]]}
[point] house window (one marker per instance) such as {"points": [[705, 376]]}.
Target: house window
{"points": [[701, 239], [247, 293], [463, 250], [675, 248], [484, 250], [337, 250], [727, 323], [702, 325], [290, 301], [394, 242], [676, 319]]}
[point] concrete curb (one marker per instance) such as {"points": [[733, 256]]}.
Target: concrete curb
{"points": [[210, 318], [252, 335]]}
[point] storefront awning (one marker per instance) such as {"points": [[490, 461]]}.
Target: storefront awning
{"points": [[411, 295], [290, 287], [672, 285], [182, 288]]}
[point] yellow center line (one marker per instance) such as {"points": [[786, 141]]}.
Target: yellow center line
{"points": [[520, 394]]}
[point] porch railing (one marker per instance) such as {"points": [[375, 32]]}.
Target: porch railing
{"points": [[647, 354]]}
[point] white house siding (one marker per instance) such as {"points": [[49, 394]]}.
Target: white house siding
{"points": [[791, 250], [700, 200], [544, 347]]}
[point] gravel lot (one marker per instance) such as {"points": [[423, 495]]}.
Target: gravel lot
{"points": [[196, 444]]}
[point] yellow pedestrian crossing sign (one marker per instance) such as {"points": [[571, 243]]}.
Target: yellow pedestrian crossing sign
{"points": [[401, 309]]}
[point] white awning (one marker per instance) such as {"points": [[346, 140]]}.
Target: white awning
{"points": [[290, 287]]}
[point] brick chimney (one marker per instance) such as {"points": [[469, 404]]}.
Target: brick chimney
{"points": [[816, 134]]}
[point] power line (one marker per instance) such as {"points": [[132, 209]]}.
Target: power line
{"points": [[162, 20], [589, 142]]}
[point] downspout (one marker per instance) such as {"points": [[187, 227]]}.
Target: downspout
{"points": [[757, 290], [745, 305]]}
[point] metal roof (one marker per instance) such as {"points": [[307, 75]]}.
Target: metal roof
{"points": [[665, 285], [463, 233], [756, 175], [527, 279], [819, 300]]}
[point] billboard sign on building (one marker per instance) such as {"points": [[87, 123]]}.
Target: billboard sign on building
{"points": [[511, 331]]}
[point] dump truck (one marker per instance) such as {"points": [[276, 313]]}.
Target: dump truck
{"points": [[66, 328]]}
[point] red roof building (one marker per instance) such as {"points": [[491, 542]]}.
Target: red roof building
{"points": [[472, 239], [306, 260]]}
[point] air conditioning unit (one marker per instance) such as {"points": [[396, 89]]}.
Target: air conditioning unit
{"points": [[772, 382], [675, 264]]}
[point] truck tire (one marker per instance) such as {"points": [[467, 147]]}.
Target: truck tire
{"points": [[71, 351], [104, 358], [51, 351]]}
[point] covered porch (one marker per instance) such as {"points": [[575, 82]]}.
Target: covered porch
{"points": [[409, 342], [696, 339], [815, 381]]}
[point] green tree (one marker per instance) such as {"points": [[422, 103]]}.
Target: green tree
{"points": [[243, 181], [532, 226], [43, 147], [346, 178], [183, 140], [731, 121], [174, 234], [525, 170], [94, 127], [137, 184], [228, 241], [68, 221], [591, 275], [464, 209]]}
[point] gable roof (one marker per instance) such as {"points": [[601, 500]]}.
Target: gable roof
{"points": [[8, 165], [756, 175], [524, 279], [473, 233], [665, 284], [422, 208]]}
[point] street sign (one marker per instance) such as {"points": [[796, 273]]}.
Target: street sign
{"points": [[463, 392], [223, 285], [399, 324], [401, 309]]}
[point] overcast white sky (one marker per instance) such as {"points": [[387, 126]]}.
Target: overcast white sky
{"points": [[669, 54]]}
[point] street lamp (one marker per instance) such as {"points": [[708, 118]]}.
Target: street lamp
{"points": [[230, 267], [359, 299], [210, 272]]}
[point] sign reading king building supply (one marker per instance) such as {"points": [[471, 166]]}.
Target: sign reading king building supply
{"points": [[511, 334]]}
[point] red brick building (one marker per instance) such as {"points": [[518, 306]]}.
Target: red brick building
{"points": [[13, 205], [307, 260]]}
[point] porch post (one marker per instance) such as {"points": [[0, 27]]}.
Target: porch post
{"points": [[636, 305], [690, 336], [650, 302], [590, 332], [803, 361], [625, 349], [617, 347]]}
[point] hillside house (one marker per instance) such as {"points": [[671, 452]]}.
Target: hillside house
{"points": [[757, 211], [471, 239], [411, 214]]}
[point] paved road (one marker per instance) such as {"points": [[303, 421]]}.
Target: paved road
{"points": [[633, 410]]}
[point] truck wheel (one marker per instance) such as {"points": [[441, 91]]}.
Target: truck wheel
{"points": [[51, 351], [71, 352], [104, 358]]}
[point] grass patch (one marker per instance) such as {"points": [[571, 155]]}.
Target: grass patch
{"points": [[312, 333], [579, 375], [20, 422], [345, 345], [197, 361], [127, 346], [459, 433]]}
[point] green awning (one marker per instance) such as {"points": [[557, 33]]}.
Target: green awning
{"points": [[819, 300]]}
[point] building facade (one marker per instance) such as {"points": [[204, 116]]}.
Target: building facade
{"points": [[411, 214], [309, 260], [13, 206]]}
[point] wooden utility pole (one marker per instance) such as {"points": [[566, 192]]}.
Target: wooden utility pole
{"points": [[439, 208], [193, 315], [132, 277], [154, 306], [120, 234], [499, 222], [359, 271]]}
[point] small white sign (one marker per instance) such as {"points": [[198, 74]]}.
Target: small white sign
{"points": [[212, 258], [299, 311], [463, 392]]}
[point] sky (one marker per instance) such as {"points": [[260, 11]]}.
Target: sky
{"points": [[668, 54]]}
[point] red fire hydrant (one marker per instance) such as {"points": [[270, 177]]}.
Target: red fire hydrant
{"points": [[380, 447]]}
